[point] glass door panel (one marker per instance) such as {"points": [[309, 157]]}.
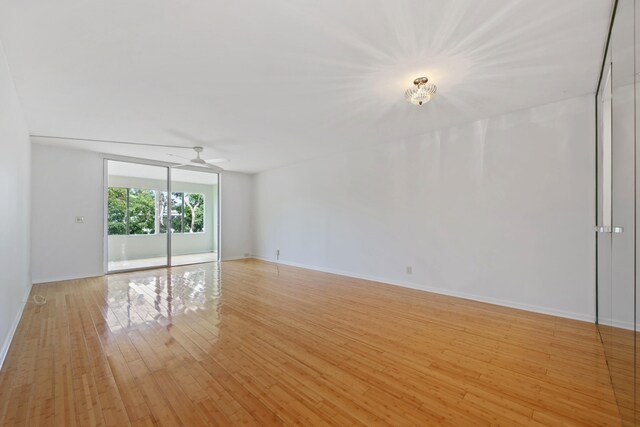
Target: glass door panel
{"points": [[603, 212], [194, 215], [621, 356], [134, 226]]}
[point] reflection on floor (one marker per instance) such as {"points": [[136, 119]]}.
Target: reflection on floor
{"points": [[253, 343], [162, 261], [619, 345]]}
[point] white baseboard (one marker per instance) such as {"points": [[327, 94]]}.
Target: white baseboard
{"points": [[63, 278], [7, 342], [621, 324], [234, 258], [480, 298]]}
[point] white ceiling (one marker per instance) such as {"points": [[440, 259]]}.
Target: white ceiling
{"points": [[266, 83]]}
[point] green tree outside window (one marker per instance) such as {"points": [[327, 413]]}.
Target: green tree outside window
{"points": [[132, 211], [117, 211], [142, 211]]}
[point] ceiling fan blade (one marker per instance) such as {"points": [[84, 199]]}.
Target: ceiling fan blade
{"points": [[199, 165], [218, 160]]}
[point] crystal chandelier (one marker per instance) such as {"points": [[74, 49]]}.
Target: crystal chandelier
{"points": [[421, 92]]}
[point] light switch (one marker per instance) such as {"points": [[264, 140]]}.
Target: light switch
{"points": [[79, 220]]}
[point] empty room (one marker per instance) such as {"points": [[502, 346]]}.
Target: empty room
{"points": [[345, 213]]}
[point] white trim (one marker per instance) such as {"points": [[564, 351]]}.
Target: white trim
{"points": [[620, 324], [105, 215], [221, 256], [169, 216], [441, 291], [128, 159], [14, 327], [218, 230], [235, 258], [65, 278]]}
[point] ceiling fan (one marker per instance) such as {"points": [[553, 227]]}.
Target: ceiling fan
{"points": [[198, 161]]}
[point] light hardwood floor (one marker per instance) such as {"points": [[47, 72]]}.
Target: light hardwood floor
{"points": [[253, 343], [620, 348]]}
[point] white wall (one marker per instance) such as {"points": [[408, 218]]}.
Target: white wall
{"points": [[66, 183], [69, 183], [500, 210], [236, 192], [15, 166]]}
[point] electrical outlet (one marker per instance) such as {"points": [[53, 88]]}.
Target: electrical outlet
{"points": [[409, 269], [79, 220]]}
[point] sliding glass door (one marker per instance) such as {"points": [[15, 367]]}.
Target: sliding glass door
{"points": [[616, 210], [158, 216], [194, 216], [136, 232]]}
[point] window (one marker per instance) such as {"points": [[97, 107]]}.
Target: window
{"points": [[193, 213], [187, 212], [131, 211], [136, 211], [117, 211], [142, 211]]}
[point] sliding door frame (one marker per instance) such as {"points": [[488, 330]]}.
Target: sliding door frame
{"points": [[218, 233], [603, 66], [169, 166], [105, 218]]}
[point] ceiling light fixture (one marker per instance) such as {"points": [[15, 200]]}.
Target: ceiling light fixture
{"points": [[421, 92]]}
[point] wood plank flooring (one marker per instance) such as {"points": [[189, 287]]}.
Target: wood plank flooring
{"points": [[620, 350], [253, 343]]}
